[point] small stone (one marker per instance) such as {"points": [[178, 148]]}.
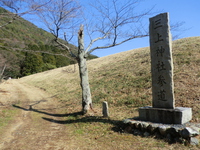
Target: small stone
{"points": [[137, 132], [158, 135], [143, 126], [126, 121], [195, 129], [128, 129], [179, 140], [105, 110], [153, 128], [174, 131], [188, 132], [146, 134], [137, 124], [132, 121], [162, 129], [168, 138], [194, 141]]}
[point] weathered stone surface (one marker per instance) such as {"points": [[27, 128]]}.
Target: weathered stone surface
{"points": [[105, 110], [163, 129], [137, 125], [188, 132], [168, 137], [174, 131], [146, 134], [153, 127], [137, 132], [143, 126], [196, 129], [126, 121], [161, 62], [179, 115], [194, 141], [163, 110], [128, 129], [170, 132]]}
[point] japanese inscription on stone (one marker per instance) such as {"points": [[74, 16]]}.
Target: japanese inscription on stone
{"points": [[161, 62]]}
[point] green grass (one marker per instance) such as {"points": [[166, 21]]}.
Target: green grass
{"points": [[7, 115], [124, 81], [127, 81]]}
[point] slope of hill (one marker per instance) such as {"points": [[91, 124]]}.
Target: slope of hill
{"points": [[123, 80], [23, 35]]}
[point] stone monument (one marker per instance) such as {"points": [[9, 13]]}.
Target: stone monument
{"points": [[163, 110]]}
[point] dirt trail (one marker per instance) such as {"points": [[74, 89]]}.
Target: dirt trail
{"points": [[29, 130]]}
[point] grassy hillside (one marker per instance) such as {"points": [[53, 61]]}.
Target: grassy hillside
{"points": [[124, 79], [23, 35]]}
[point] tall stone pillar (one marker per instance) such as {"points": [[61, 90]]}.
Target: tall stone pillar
{"points": [[163, 110], [161, 62]]}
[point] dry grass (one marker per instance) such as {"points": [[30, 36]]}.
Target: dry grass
{"points": [[124, 81]]}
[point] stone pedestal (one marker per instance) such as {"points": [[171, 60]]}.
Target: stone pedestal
{"points": [[179, 115]]}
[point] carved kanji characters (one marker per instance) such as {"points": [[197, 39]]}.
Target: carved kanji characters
{"points": [[160, 51], [161, 95], [157, 24], [160, 66]]}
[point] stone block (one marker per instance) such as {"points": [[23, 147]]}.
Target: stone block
{"points": [[179, 115], [161, 62], [194, 141], [105, 110]]}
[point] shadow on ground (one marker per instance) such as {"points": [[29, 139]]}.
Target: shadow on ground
{"points": [[77, 117]]}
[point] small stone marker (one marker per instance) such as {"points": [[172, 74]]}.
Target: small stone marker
{"points": [[163, 110], [105, 109]]}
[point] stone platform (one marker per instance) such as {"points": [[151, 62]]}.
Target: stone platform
{"points": [[187, 133], [179, 115]]}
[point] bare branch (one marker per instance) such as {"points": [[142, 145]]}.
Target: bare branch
{"points": [[116, 44], [9, 22], [177, 29], [19, 8], [58, 16], [117, 23], [93, 41]]}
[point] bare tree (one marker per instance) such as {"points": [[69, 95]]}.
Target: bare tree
{"points": [[114, 22], [59, 17], [18, 8], [2, 72]]}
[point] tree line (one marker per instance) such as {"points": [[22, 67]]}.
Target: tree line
{"points": [[25, 63]]}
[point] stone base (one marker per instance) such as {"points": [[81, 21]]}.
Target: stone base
{"points": [[179, 115], [172, 133]]}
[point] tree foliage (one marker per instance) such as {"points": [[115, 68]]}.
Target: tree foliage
{"points": [[31, 64]]}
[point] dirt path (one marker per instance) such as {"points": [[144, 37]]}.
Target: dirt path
{"points": [[29, 130]]}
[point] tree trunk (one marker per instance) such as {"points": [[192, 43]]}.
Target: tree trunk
{"points": [[86, 94], [2, 72]]}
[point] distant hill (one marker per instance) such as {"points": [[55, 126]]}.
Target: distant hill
{"points": [[124, 79], [21, 34]]}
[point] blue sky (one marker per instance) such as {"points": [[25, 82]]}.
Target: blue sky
{"points": [[187, 11], [179, 10]]}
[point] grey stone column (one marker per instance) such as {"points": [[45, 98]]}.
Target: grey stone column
{"points": [[161, 62]]}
